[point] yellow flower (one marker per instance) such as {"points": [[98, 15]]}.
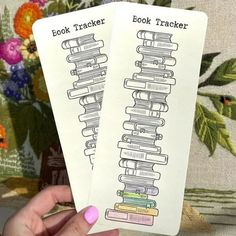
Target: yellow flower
{"points": [[39, 86], [29, 49]]}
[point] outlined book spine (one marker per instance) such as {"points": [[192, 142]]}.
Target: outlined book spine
{"points": [[142, 112], [89, 72], [97, 97], [129, 138], [88, 81], [150, 96], [136, 209], [97, 59], [127, 163], [135, 146], [149, 190], [78, 92], [88, 116], [157, 106], [92, 123], [96, 106], [154, 51], [143, 173], [86, 47], [147, 86], [72, 58], [101, 71], [157, 158], [154, 36], [140, 133], [129, 217], [123, 193], [90, 143], [147, 120], [158, 44], [133, 125], [159, 72], [129, 179], [78, 71], [75, 42], [150, 64], [141, 152], [152, 77], [159, 59], [89, 131], [147, 203]]}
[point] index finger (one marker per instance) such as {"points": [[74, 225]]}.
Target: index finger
{"points": [[45, 200]]}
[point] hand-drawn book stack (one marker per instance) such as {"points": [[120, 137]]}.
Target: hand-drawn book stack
{"points": [[140, 154], [90, 72]]}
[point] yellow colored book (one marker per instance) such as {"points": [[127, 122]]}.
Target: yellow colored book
{"points": [[134, 209]]}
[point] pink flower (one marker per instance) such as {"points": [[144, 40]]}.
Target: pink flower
{"points": [[10, 51], [41, 3]]}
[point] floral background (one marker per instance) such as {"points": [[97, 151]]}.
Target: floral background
{"points": [[28, 135]]}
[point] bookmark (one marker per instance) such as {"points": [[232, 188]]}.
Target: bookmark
{"points": [[73, 50], [147, 117]]}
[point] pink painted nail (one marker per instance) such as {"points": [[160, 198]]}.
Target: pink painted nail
{"points": [[91, 215]]}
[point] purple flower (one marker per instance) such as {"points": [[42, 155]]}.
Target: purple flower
{"points": [[40, 2], [10, 51], [20, 77], [10, 88]]}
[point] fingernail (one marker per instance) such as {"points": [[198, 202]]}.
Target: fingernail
{"points": [[91, 215]]}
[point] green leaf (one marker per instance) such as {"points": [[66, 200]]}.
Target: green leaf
{"points": [[224, 74], [163, 3], [42, 129], [1, 34], [61, 7], [210, 128], [74, 5], [225, 141], [189, 8], [207, 61], [35, 120], [206, 127], [225, 105], [97, 2], [32, 65], [6, 25], [19, 114], [3, 73], [54, 8]]}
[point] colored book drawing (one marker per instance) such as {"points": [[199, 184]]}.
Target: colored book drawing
{"points": [[90, 71], [140, 152]]}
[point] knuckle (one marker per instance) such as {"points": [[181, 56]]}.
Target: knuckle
{"points": [[76, 227]]}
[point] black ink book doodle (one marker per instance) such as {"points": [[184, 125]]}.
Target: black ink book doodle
{"points": [[140, 154], [90, 71]]}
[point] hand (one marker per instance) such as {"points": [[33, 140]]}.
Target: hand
{"points": [[28, 221]]}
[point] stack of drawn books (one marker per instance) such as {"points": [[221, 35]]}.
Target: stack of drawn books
{"points": [[140, 153], [90, 71]]}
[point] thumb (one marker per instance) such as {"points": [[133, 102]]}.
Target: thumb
{"points": [[81, 223]]}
